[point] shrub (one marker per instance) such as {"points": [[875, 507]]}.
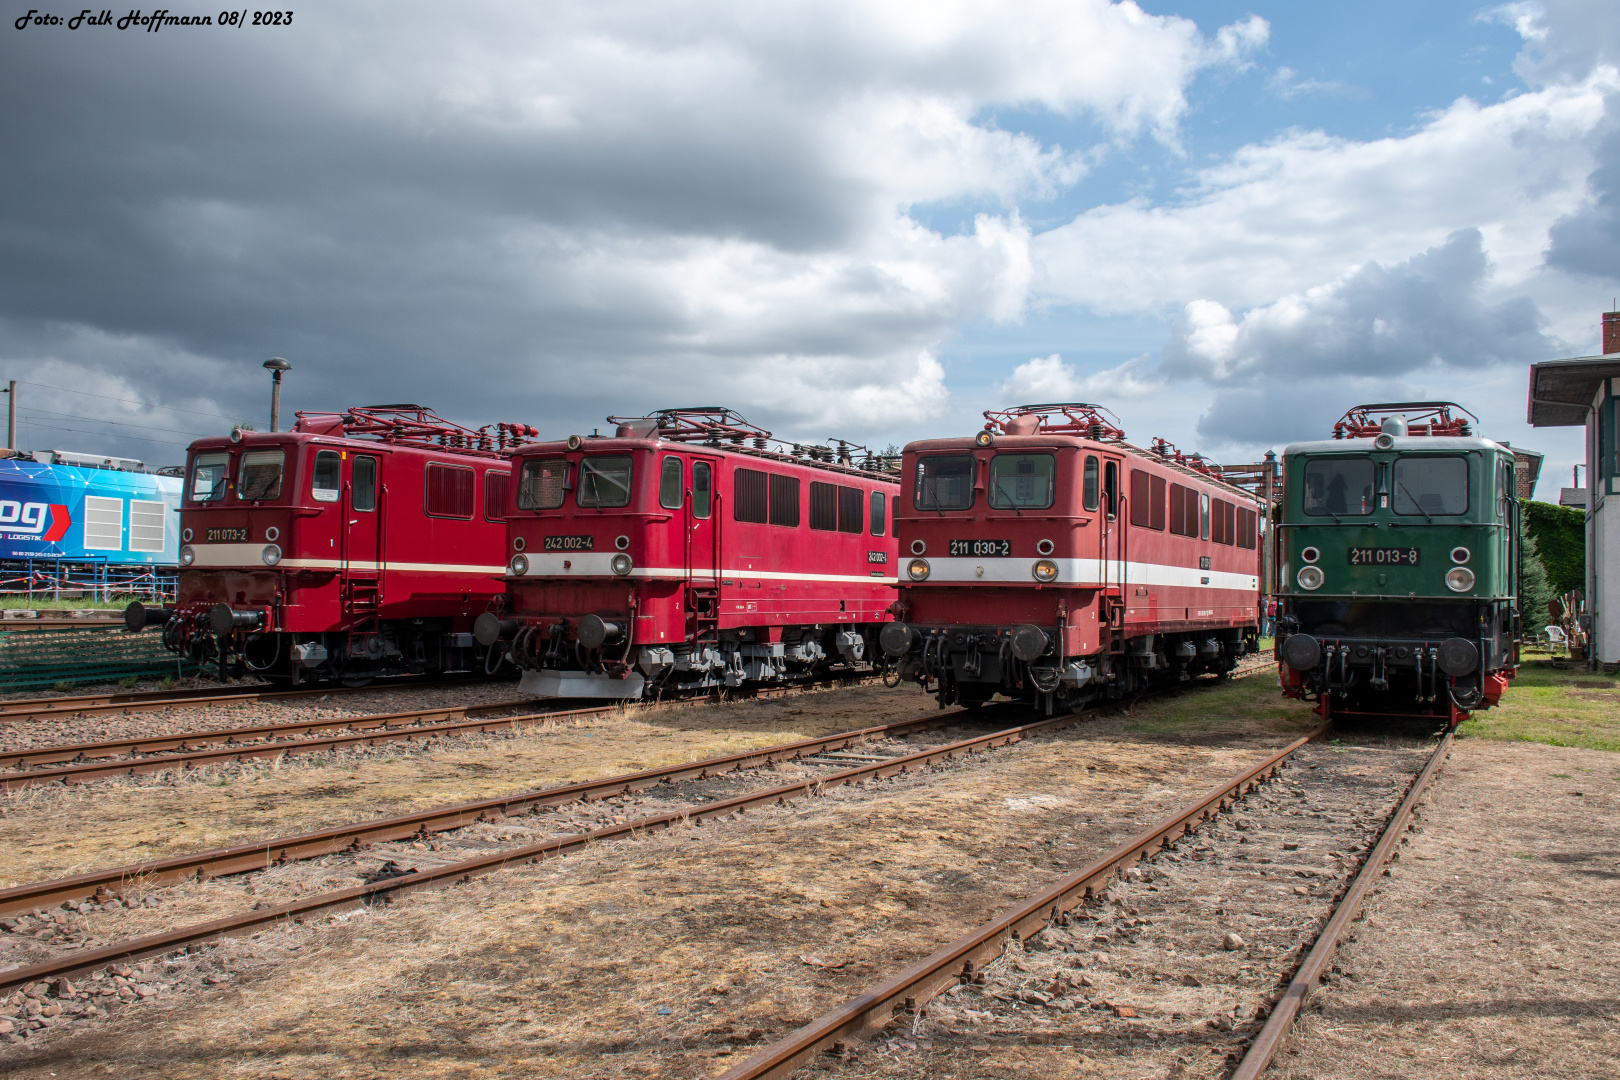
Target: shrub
{"points": [[1559, 533]]}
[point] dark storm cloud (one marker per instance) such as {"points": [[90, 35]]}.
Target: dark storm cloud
{"points": [[1430, 324], [1588, 241]]}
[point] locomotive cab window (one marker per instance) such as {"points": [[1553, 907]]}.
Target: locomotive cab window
{"points": [[261, 475], [702, 488], [604, 481], [1021, 481], [1088, 488], [1431, 486], [671, 486], [1339, 487], [542, 483], [208, 477], [944, 482], [327, 480], [365, 482], [1111, 488]]}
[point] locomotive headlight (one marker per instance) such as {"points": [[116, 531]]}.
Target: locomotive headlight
{"points": [[984, 438], [1044, 570], [188, 555], [917, 569], [271, 554], [520, 565], [1311, 577], [1459, 579], [1460, 555], [621, 564]]}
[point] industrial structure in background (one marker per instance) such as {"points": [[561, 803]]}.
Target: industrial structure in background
{"points": [[1584, 391]]}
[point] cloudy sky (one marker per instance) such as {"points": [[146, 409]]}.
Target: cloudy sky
{"points": [[1225, 221]]}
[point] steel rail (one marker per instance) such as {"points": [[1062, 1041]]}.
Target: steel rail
{"points": [[192, 759], [151, 700], [61, 624], [423, 823], [240, 745], [915, 985], [1288, 1007], [190, 740], [466, 870]]}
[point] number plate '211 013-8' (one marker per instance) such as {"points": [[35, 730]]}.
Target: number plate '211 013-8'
{"points": [[1369, 556], [982, 548]]}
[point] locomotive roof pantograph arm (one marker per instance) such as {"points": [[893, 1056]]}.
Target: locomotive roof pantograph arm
{"points": [[417, 425]]}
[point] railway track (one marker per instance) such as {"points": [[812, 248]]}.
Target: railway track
{"points": [[159, 753], [61, 624], [135, 701], [837, 752], [107, 883], [990, 967]]}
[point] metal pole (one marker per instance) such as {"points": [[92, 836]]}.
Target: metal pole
{"points": [[276, 366], [11, 415]]}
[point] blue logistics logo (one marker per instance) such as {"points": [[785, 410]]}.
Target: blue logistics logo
{"points": [[34, 520]]}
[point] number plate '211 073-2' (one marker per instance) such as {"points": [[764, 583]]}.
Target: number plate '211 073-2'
{"points": [[982, 548], [1369, 556]]}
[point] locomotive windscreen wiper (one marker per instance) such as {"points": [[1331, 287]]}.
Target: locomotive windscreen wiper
{"points": [[1415, 503]]}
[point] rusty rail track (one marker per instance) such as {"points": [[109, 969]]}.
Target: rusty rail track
{"points": [[1288, 1007], [381, 892], [268, 741], [88, 623], [915, 985], [258, 743], [151, 700], [426, 822]]}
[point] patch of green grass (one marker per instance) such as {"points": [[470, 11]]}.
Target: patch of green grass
{"points": [[1562, 776], [45, 600], [1252, 704], [1560, 706], [63, 687]]}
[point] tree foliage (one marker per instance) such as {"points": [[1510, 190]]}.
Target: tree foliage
{"points": [[1559, 533], [1535, 590]]}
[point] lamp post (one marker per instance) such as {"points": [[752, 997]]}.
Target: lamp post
{"points": [[276, 366]]}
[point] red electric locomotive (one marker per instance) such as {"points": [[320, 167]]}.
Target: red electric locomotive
{"points": [[1050, 560], [355, 545], [681, 553]]}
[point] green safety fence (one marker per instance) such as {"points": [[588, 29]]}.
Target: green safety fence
{"points": [[39, 659]]}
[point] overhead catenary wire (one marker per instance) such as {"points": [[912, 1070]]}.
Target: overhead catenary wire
{"points": [[130, 401]]}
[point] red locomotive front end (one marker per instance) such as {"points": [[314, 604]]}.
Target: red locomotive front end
{"points": [[1049, 560], [355, 545], [682, 553]]}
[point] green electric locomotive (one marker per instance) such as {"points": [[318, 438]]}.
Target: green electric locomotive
{"points": [[1398, 549]]}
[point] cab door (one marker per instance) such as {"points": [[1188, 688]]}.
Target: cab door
{"points": [[363, 520], [1114, 544], [702, 512]]}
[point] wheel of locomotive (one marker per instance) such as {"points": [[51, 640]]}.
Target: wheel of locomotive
{"points": [[355, 682]]}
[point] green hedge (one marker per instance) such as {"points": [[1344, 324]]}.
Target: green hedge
{"points": [[1560, 534]]}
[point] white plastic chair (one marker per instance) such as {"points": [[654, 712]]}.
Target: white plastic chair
{"points": [[1556, 639]]}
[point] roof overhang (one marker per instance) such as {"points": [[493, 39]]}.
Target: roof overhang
{"points": [[1561, 390]]}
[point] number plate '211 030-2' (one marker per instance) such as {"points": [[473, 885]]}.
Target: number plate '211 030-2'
{"points": [[982, 548], [1369, 556]]}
